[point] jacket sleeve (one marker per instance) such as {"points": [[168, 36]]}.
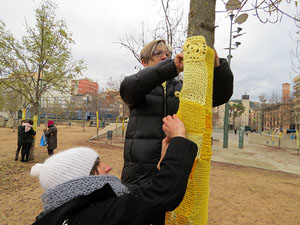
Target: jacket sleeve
{"points": [[32, 131], [164, 191], [48, 131], [21, 131], [134, 88], [223, 83]]}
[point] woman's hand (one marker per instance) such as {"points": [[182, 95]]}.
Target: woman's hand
{"points": [[217, 60], [179, 62], [173, 127], [164, 147]]}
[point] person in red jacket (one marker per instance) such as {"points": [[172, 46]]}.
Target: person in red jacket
{"points": [[51, 135], [79, 190]]}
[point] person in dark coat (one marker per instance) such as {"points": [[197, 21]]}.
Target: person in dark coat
{"points": [[21, 137], [79, 190], [28, 140], [151, 94], [51, 135]]}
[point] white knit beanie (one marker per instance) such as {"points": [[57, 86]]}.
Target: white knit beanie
{"points": [[64, 166]]}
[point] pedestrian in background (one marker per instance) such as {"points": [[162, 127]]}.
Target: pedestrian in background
{"points": [[28, 140], [21, 138], [51, 135]]}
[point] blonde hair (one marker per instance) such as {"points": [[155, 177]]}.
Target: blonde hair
{"points": [[147, 52]]}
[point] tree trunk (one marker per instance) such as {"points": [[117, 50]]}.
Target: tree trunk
{"points": [[35, 112], [202, 20], [35, 108]]}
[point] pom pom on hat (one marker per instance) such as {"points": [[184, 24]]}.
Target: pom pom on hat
{"points": [[35, 170], [64, 166]]}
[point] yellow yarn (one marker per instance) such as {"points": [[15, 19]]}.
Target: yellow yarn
{"points": [[195, 110]]}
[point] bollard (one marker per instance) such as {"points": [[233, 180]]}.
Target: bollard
{"points": [[280, 136], [241, 137], [109, 136], [297, 138]]}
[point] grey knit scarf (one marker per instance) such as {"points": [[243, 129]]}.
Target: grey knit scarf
{"points": [[69, 190]]}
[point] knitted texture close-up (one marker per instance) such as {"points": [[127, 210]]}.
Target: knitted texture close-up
{"points": [[195, 110], [85, 185]]}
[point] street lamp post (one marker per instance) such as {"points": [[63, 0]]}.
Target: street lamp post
{"points": [[226, 115], [240, 19]]}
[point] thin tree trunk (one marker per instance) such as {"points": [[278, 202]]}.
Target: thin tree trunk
{"points": [[35, 112], [202, 20]]}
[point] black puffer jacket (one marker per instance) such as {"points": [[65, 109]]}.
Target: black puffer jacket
{"points": [[139, 207], [28, 139], [148, 104], [21, 135]]}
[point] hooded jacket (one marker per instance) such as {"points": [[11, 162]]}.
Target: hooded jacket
{"points": [[163, 192], [51, 134], [149, 101]]}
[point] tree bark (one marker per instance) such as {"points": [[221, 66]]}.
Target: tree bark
{"points": [[202, 20]]}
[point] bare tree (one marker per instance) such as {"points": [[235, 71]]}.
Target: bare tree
{"points": [[114, 83], [285, 115], [295, 53], [296, 104], [274, 99], [266, 11], [171, 28], [263, 99]]}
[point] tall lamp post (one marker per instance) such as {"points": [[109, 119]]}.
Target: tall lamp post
{"points": [[230, 6]]}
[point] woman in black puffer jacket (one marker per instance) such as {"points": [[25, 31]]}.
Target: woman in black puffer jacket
{"points": [[27, 137], [151, 94]]}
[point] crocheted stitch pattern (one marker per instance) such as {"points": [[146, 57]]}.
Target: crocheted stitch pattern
{"points": [[85, 185], [195, 110]]}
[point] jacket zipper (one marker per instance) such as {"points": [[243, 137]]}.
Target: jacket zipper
{"points": [[165, 98]]}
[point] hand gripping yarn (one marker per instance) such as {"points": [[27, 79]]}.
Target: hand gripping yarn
{"points": [[195, 110]]}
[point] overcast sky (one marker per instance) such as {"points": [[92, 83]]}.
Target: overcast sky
{"points": [[260, 64]]}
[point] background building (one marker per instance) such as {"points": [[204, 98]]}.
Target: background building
{"points": [[285, 92], [247, 117], [87, 86]]}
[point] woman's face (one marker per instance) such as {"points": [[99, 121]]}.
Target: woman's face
{"points": [[160, 53]]}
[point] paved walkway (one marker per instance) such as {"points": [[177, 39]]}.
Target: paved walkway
{"points": [[253, 155]]}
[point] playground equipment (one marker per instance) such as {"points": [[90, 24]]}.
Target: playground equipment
{"points": [[116, 128]]}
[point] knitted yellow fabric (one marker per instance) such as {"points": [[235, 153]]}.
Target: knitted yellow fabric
{"points": [[195, 110]]}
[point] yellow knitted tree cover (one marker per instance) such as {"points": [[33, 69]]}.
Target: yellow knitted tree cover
{"points": [[195, 110]]}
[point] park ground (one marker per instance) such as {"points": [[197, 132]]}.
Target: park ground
{"points": [[239, 195]]}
